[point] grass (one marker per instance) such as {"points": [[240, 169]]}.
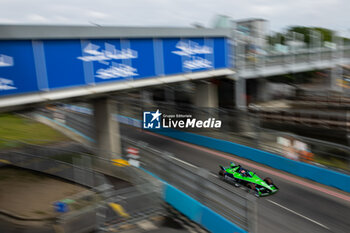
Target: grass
{"points": [[16, 128]]}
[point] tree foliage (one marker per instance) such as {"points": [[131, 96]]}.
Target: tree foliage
{"points": [[326, 34]]}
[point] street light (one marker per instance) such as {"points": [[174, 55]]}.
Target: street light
{"points": [[314, 34]]}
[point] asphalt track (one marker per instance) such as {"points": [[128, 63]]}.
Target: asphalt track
{"points": [[299, 206]]}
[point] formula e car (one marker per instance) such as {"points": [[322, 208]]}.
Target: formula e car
{"points": [[240, 176]]}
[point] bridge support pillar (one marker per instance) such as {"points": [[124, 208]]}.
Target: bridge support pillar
{"points": [[206, 95], [169, 95], [241, 94], [262, 91], [106, 128], [146, 97]]}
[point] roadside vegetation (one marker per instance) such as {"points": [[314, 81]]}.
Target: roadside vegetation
{"points": [[15, 128]]}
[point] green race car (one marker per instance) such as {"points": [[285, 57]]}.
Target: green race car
{"points": [[240, 176]]}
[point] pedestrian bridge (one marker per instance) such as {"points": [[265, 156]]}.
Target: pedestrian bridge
{"points": [[299, 61], [47, 63]]}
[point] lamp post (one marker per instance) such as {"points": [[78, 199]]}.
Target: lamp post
{"points": [[315, 46]]}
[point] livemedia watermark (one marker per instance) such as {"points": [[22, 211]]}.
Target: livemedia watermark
{"points": [[158, 120]]}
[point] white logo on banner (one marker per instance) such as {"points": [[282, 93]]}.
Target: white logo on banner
{"points": [[105, 56], [6, 84], [116, 70], [197, 63], [6, 60], [191, 49]]}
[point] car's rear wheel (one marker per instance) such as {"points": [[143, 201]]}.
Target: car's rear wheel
{"points": [[221, 173], [268, 181]]}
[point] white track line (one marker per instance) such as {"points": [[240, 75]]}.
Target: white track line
{"points": [[184, 162], [191, 165], [300, 215]]}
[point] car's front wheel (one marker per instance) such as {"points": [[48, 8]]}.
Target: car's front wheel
{"points": [[268, 181], [252, 189], [251, 186]]}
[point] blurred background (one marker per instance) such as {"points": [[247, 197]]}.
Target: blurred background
{"points": [[76, 78]]}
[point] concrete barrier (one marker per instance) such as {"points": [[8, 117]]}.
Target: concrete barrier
{"points": [[198, 212], [318, 174]]}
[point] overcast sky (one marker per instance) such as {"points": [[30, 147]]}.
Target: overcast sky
{"points": [[334, 14]]}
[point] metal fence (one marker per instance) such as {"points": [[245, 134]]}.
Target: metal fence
{"points": [[91, 209], [139, 202], [42, 159], [221, 197], [136, 203], [253, 61]]}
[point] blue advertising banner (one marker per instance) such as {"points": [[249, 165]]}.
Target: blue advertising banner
{"points": [[221, 58], [119, 60], [62, 66], [31, 66], [145, 61], [17, 68], [106, 59], [194, 54]]}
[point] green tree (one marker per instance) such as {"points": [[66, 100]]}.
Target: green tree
{"points": [[326, 34], [277, 38]]}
